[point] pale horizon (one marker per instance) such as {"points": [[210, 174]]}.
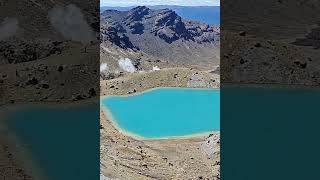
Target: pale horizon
{"points": [[128, 3]]}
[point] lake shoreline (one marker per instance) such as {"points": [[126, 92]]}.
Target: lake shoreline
{"points": [[9, 108], [155, 88], [108, 115], [157, 154], [21, 156], [208, 91], [155, 157], [51, 134]]}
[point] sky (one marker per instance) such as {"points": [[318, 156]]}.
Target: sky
{"points": [[123, 3]]}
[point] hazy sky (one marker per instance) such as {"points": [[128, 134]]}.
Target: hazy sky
{"points": [[160, 2]]}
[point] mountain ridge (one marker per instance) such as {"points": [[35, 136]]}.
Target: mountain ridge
{"points": [[165, 18], [206, 14], [161, 34]]}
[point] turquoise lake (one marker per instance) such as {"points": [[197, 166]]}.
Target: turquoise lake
{"points": [[62, 142], [166, 112]]}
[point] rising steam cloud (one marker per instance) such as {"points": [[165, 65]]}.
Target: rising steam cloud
{"points": [[8, 27], [126, 65], [70, 22], [104, 68]]}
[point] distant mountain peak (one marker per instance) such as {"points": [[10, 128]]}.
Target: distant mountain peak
{"points": [[137, 13], [169, 26], [164, 24], [160, 36], [140, 8], [134, 18]]}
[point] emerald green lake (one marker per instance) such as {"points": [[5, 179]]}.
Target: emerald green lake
{"points": [[166, 112]]}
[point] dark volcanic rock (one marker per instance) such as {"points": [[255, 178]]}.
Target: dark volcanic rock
{"points": [[169, 26], [23, 51], [92, 92], [45, 85], [311, 39], [134, 18], [136, 14], [162, 34], [136, 27], [110, 33], [165, 24], [32, 81]]}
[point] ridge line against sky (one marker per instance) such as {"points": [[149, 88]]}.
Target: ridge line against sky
{"points": [[127, 3]]}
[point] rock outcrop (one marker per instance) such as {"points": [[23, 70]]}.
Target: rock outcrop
{"points": [[165, 24], [23, 51], [114, 34], [158, 34]]}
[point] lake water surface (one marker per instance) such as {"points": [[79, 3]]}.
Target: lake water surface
{"points": [[166, 112], [276, 130], [63, 142]]}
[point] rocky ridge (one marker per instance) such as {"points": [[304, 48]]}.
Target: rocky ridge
{"points": [[165, 24], [160, 34], [18, 51]]}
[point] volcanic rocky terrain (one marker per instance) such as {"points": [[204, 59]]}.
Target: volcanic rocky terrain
{"points": [[142, 49], [157, 38], [41, 62], [280, 45]]}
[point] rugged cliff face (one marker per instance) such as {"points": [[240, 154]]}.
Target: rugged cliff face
{"points": [[164, 24], [161, 34]]}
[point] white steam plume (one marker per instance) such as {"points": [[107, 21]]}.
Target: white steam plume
{"points": [[126, 65], [8, 27], [103, 67], [70, 22]]}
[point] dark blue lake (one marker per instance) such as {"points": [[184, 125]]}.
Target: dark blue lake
{"points": [[63, 142], [270, 133]]}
